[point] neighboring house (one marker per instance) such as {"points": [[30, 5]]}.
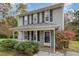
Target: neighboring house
{"points": [[39, 25]]}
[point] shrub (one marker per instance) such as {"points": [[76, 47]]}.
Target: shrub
{"points": [[59, 39], [35, 47], [64, 36], [7, 44], [26, 47]]}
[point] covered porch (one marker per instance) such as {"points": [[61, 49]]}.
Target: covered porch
{"points": [[44, 35]]}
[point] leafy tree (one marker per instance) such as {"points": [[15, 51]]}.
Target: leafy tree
{"points": [[11, 21], [74, 25], [5, 7], [21, 8], [5, 30]]}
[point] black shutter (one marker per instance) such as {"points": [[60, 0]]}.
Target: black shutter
{"points": [[42, 17], [28, 19], [38, 35], [28, 34], [23, 20], [38, 18], [32, 35], [32, 18], [51, 15]]}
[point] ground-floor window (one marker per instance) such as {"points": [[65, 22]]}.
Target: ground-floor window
{"points": [[38, 35], [25, 35], [47, 37], [28, 35]]}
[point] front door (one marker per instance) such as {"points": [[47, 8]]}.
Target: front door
{"points": [[47, 38]]}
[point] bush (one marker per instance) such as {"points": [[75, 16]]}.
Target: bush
{"points": [[26, 47], [63, 36], [7, 44]]}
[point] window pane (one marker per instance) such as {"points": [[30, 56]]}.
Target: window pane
{"points": [[38, 35], [47, 37]]}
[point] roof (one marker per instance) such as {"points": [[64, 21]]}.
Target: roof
{"points": [[43, 9], [35, 26]]}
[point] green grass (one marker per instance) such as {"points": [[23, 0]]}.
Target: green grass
{"points": [[74, 45]]}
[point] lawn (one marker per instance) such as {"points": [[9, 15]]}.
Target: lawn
{"points": [[74, 45]]}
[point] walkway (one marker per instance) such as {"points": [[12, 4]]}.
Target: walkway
{"points": [[44, 53]]}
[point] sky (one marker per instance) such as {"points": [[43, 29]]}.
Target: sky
{"points": [[33, 6]]}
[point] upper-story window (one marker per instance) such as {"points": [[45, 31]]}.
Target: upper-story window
{"points": [[28, 19], [32, 18], [47, 16], [42, 17], [51, 15], [23, 20]]}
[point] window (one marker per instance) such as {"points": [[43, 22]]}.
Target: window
{"points": [[28, 19], [28, 35], [38, 35], [25, 35], [32, 18], [23, 20], [47, 37], [35, 19], [51, 14], [32, 34], [42, 17], [47, 18], [38, 18]]}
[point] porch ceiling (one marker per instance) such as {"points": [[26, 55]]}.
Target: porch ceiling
{"points": [[33, 27]]}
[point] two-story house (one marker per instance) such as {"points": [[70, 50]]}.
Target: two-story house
{"points": [[39, 25]]}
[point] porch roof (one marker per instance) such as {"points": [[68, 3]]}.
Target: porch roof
{"points": [[32, 27]]}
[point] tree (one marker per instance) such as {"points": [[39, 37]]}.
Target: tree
{"points": [[4, 29], [11, 21], [74, 25], [5, 7], [21, 8]]}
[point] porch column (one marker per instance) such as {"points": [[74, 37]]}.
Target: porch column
{"points": [[36, 35], [20, 35], [54, 41], [13, 34]]}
